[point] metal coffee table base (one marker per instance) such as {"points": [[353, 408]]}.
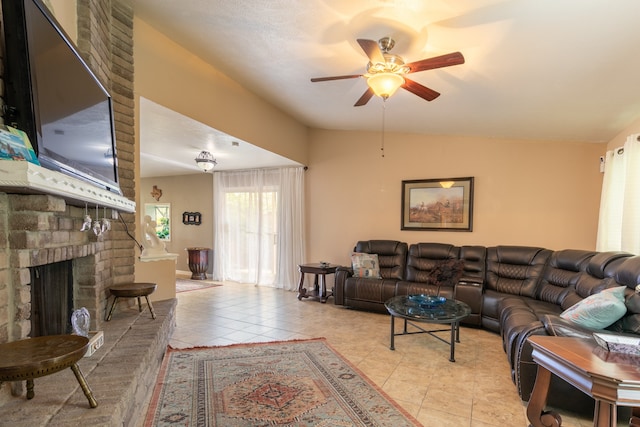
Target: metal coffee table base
{"points": [[455, 334]]}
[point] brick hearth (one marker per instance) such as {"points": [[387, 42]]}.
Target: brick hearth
{"points": [[121, 374]]}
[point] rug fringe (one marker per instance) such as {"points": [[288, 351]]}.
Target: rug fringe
{"points": [[172, 348]]}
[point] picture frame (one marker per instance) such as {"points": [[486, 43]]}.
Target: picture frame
{"points": [[191, 218], [444, 204]]}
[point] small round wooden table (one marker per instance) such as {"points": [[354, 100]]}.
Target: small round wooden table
{"points": [[36, 357], [132, 290]]}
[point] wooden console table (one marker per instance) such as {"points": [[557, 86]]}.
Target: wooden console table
{"points": [[319, 286], [612, 379], [36, 357]]}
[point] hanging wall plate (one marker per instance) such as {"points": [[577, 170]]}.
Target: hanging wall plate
{"points": [[191, 218]]}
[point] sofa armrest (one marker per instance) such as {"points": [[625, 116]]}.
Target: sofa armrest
{"points": [[559, 327], [341, 276], [469, 291]]}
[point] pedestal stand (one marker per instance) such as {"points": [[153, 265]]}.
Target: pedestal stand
{"points": [[198, 263]]}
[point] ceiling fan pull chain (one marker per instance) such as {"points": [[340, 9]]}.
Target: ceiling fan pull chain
{"points": [[384, 108]]}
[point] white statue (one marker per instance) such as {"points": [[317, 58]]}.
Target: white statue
{"points": [[153, 246]]}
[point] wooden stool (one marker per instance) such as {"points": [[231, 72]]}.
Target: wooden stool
{"points": [[132, 290], [36, 357]]}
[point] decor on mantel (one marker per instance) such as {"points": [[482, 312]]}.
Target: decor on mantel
{"points": [[191, 218], [205, 161], [156, 193], [99, 226]]}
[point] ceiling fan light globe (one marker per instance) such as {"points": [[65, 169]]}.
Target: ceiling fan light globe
{"points": [[385, 85]]}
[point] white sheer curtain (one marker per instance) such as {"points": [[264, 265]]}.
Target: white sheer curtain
{"points": [[619, 221], [259, 226]]}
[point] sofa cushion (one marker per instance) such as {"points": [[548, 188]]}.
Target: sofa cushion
{"points": [[365, 265], [599, 310], [392, 256]]}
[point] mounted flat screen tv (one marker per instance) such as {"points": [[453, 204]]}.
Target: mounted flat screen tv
{"points": [[54, 97]]}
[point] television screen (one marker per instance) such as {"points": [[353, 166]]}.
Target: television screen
{"points": [[69, 118]]}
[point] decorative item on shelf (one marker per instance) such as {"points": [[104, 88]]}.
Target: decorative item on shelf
{"points": [[105, 224], [205, 161], [86, 224], [191, 218], [15, 145], [154, 246], [97, 225], [80, 322], [156, 193]]}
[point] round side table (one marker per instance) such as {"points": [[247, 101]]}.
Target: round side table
{"points": [[36, 357], [132, 290]]}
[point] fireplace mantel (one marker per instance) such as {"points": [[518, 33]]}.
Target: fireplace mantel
{"points": [[27, 178]]}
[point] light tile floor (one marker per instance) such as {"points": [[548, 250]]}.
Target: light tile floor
{"points": [[474, 391]]}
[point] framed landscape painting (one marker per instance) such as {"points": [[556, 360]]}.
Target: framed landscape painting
{"points": [[438, 204]]}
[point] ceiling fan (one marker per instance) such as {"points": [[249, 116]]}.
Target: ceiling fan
{"points": [[386, 72]]}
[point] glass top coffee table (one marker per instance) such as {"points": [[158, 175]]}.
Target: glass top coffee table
{"points": [[427, 309]]}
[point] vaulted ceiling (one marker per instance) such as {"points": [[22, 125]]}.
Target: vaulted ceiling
{"points": [[565, 70]]}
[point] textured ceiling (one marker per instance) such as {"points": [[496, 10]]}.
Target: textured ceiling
{"points": [[535, 69]]}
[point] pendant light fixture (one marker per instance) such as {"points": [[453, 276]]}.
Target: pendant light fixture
{"points": [[205, 161]]}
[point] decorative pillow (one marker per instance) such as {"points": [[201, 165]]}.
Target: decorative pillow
{"points": [[365, 265], [598, 310]]}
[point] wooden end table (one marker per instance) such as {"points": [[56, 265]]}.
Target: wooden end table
{"points": [[132, 290], [319, 285], [36, 357], [610, 378]]}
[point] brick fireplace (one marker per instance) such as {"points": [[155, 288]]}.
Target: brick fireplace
{"points": [[41, 225], [43, 229], [37, 229]]}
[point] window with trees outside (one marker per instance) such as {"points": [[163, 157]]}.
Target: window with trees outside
{"points": [[160, 213]]}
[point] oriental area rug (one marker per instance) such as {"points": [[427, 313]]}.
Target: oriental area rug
{"points": [[287, 383], [186, 285]]}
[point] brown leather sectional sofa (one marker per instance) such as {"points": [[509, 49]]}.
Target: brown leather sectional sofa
{"points": [[516, 291]]}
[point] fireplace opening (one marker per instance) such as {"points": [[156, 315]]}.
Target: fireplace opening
{"points": [[51, 298]]}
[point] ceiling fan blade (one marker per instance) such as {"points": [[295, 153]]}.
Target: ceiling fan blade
{"points": [[447, 60], [364, 98], [372, 50], [422, 91], [325, 79]]}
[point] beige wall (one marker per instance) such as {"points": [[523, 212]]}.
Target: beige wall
{"points": [[167, 74], [174, 78], [187, 193], [620, 139], [526, 192]]}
